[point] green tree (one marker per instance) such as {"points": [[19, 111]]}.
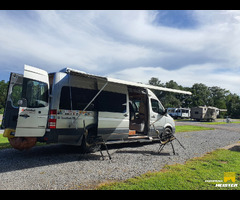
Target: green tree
{"points": [[168, 99], [156, 82], [200, 95], [172, 99], [218, 96], [233, 105], [3, 92]]}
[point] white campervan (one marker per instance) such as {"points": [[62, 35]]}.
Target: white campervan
{"points": [[179, 112], [73, 107]]}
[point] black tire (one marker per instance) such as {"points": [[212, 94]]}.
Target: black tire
{"points": [[166, 134], [83, 148], [88, 144]]}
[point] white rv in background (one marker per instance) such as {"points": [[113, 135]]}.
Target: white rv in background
{"points": [[73, 107], [179, 112]]}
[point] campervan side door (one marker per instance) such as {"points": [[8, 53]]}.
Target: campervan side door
{"points": [[34, 104], [113, 117]]}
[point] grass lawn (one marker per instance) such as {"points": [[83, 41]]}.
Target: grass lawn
{"points": [[4, 142], [189, 128], [216, 123], [190, 176]]}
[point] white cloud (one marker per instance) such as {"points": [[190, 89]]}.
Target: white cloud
{"points": [[125, 44], [186, 76]]}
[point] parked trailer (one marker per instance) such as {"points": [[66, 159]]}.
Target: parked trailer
{"points": [[207, 113], [73, 107]]}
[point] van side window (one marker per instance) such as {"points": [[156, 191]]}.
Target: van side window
{"points": [[105, 102], [112, 102], [65, 99], [80, 98]]}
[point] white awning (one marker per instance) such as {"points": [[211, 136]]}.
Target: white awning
{"points": [[113, 80], [147, 86]]}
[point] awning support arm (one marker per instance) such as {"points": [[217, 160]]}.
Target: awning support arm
{"points": [[95, 96], [90, 102]]}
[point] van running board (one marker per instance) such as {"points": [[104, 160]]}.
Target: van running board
{"points": [[131, 139], [140, 138]]}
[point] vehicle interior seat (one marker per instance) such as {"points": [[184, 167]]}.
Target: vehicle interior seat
{"points": [[137, 121]]}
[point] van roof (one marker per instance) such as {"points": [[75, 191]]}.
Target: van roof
{"points": [[113, 80]]}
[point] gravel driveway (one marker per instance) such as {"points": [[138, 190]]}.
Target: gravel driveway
{"points": [[62, 167]]}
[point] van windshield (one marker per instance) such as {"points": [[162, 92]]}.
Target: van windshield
{"points": [[156, 106], [35, 92]]}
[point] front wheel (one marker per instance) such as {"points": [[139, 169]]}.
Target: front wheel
{"points": [[167, 135]]}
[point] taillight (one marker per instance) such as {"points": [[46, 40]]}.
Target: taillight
{"points": [[52, 120], [53, 112]]}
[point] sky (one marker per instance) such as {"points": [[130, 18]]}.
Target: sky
{"points": [[187, 46]]}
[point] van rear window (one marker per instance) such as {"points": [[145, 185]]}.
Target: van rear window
{"points": [[35, 93]]}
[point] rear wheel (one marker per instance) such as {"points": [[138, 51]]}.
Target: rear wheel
{"points": [[22, 143], [89, 144]]}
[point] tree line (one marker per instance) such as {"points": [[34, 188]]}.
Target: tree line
{"points": [[201, 95], [3, 94]]}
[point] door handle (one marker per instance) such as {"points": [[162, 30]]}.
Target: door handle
{"points": [[153, 116], [25, 115], [125, 115]]}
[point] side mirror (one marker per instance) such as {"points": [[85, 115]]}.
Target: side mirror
{"points": [[22, 102], [164, 112]]}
